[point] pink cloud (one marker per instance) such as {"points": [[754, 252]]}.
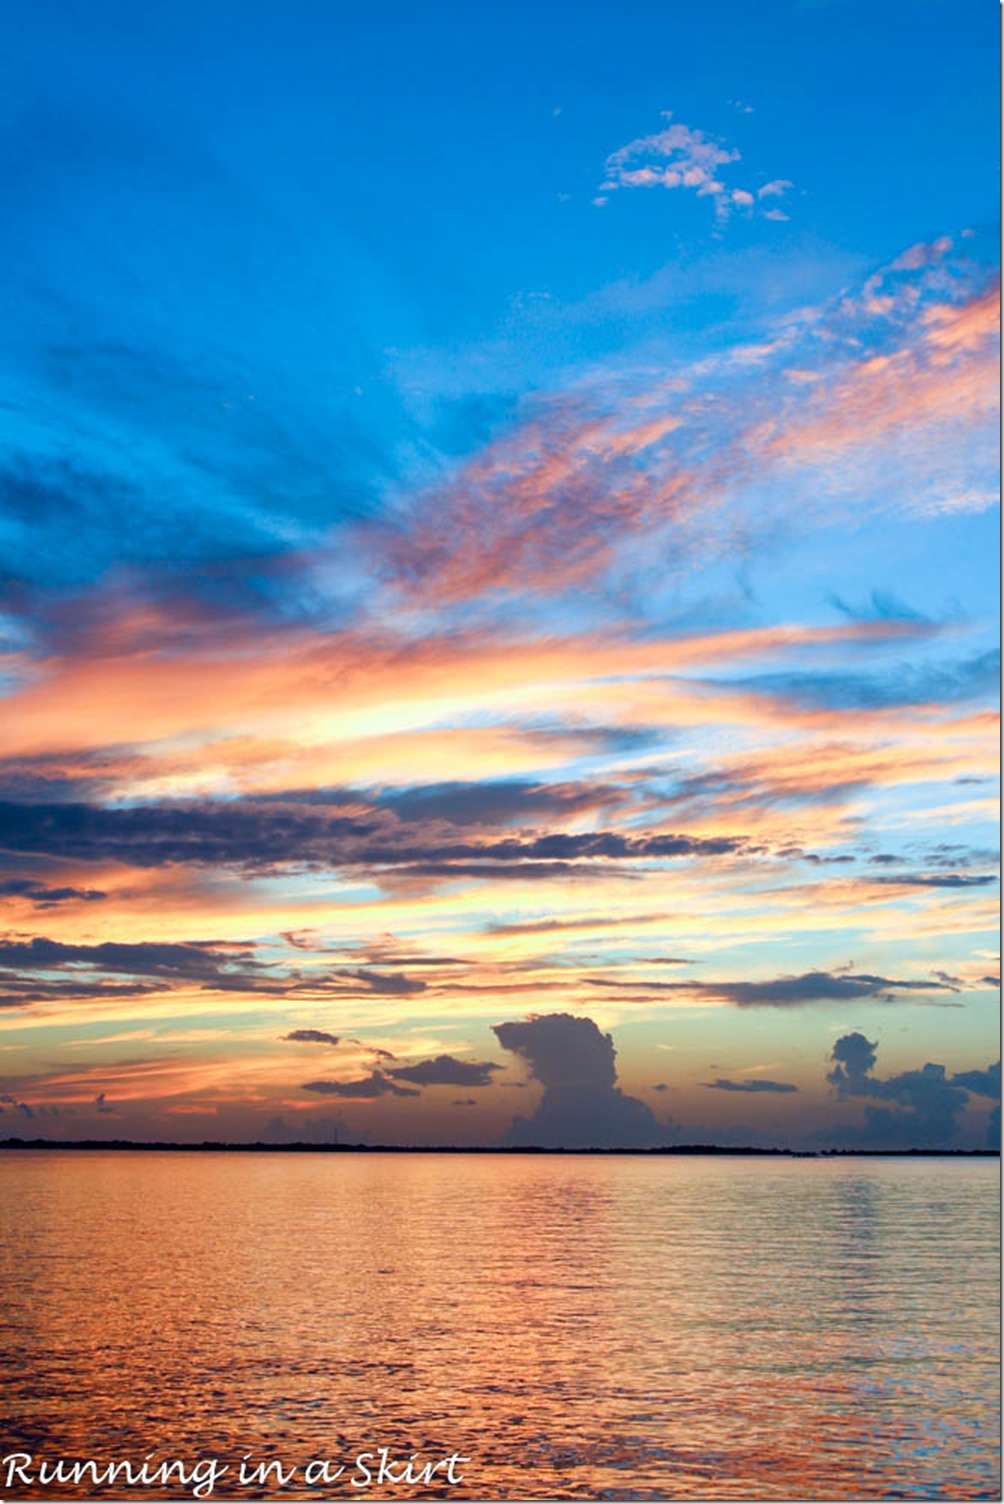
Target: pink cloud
{"points": [[681, 157]]}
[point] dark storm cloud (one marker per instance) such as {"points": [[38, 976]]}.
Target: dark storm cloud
{"points": [[790, 992], [925, 1104], [312, 1036], [370, 1087], [445, 1070], [257, 834], [755, 1084], [582, 1107]]}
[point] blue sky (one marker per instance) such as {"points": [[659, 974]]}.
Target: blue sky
{"points": [[530, 434]]}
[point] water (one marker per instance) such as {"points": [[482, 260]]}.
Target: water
{"points": [[578, 1327]]}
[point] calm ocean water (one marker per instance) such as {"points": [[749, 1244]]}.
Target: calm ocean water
{"points": [[577, 1327]]}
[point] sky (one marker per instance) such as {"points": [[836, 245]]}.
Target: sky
{"points": [[498, 573]]}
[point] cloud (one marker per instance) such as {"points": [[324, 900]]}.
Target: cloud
{"points": [[981, 1083], [368, 1089], [213, 964], [927, 1104], [268, 835], [681, 157], [18, 991], [854, 1058], [907, 684], [582, 1107], [391, 984], [304, 1131], [45, 897], [312, 1036], [938, 880], [888, 394], [754, 1084], [499, 802], [791, 991], [445, 1070]]}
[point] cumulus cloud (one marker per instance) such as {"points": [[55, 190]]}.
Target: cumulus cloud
{"points": [[582, 1106], [925, 1105], [854, 1058], [312, 1036], [680, 157], [981, 1083], [304, 1131]]}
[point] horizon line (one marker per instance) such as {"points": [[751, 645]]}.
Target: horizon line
{"points": [[222, 1146]]}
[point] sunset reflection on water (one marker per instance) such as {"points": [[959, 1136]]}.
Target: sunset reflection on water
{"points": [[578, 1326]]}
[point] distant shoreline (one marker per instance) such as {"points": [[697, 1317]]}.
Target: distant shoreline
{"points": [[209, 1147]]}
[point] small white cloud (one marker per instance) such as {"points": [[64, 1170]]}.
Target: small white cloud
{"points": [[775, 188], [681, 157]]}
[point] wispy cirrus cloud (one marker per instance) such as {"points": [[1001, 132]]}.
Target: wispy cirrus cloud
{"points": [[887, 393]]}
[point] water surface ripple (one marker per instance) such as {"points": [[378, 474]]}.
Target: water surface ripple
{"points": [[599, 1328]]}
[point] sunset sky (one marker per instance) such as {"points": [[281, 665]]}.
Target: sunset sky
{"points": [[499, 549]]}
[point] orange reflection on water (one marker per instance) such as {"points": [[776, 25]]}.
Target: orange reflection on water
{"points": [[577, 1326]]}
